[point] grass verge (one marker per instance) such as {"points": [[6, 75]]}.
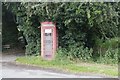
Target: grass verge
{"points": [[70, 66]]}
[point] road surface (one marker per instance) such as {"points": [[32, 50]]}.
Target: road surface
{"points": [[12, 70]]}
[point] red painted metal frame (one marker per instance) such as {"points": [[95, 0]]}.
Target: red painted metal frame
{"points": [[54, 46]]}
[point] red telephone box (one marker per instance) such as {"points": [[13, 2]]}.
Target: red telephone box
{"points": [[48, 40]]}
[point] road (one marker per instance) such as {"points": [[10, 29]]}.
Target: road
{"points": [[10, 69]]}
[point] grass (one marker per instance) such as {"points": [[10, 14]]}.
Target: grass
{"points": [[70, 66]]}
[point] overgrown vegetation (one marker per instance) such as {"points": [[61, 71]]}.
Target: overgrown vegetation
{"points": [[87, 31], [75, 53]]}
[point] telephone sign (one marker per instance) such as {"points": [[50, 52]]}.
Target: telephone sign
{"points": [[48, 40]]}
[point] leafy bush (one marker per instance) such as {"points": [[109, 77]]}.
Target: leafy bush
{"points": [[75, 53], [61, 54], [108, 50], [79, 52], [109, 57], [111, 43]]}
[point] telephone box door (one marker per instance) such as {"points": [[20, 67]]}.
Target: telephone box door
{"points": [[48, 40]]}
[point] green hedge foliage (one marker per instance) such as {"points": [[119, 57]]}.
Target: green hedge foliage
{"points": [[84, 28]]}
